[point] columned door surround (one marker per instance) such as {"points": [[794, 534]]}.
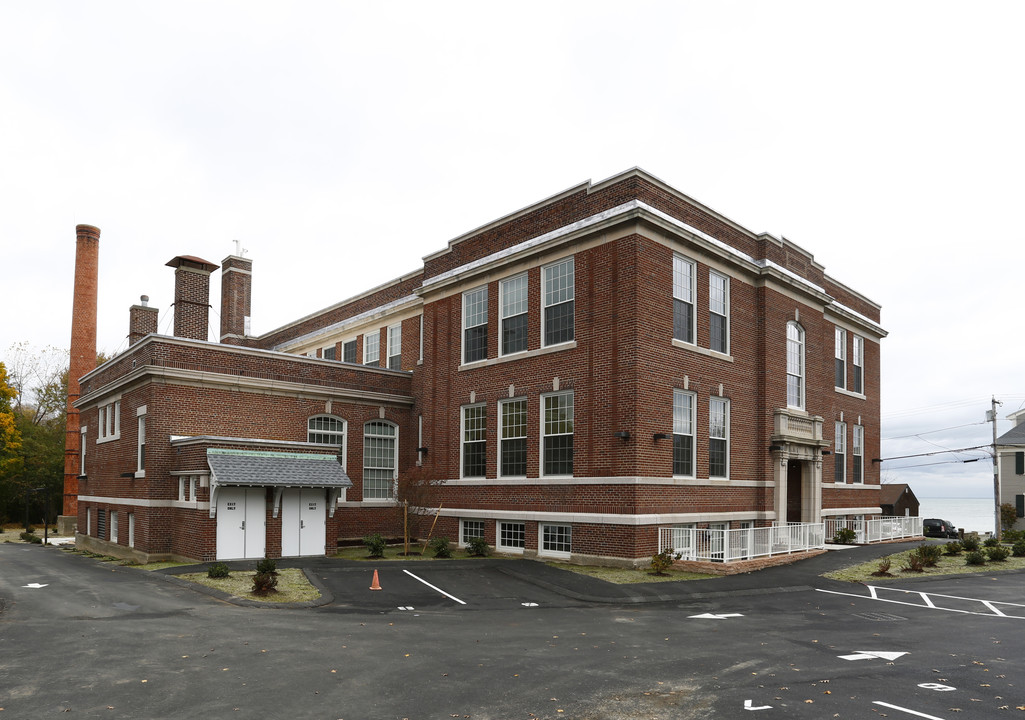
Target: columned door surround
{"points": [[797, 438]]}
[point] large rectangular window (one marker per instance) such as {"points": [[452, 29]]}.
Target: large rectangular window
{"points": [[475, 325], [683, 299], [683, 433], [858, 454], [858, 365], [558, 294], [349, 351], [512, 536], [718, 437], [795, 365], [840, 453], [557, 539], [328, 353], [512, 320], [841, 358], [474, 441], [379, 459], [513, 461], [395, 347], [719, 312], [470, 529], [558, 433], [140, 455], [372, 348], [109, 422]]}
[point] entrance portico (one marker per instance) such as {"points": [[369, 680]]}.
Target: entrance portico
{"points": [[797, 466]]}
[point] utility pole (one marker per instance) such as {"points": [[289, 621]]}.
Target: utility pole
{"points": [[992, 417]]}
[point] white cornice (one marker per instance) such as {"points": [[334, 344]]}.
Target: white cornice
{"points": [[342, 326]]}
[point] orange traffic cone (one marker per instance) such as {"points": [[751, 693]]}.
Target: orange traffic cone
{"points": [[376, 585]]}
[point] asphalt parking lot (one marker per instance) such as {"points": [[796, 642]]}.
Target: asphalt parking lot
{"points": [[526, 641]]}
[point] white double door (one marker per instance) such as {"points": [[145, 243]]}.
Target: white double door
{"points": [[241, 523], [303, 522]]}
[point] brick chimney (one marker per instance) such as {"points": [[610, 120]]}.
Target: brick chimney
{"points": [[236, 297], [191, 296], [142, 320], [82, 361]]}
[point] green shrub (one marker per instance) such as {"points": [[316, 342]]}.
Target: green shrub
{"points": [[218, 570], [478, 547], [375, 545], [1019, 549], [990, 542], [1013, 536], [661, 562], [31, 537], [440, 547], [267, 565], [930, 554], [265, 583], [970, 542], [884, 567], [998, 553], [975, 557], [844, 536], [953, 548]]}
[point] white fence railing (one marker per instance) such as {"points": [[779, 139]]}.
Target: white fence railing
{"points": [[715, 545], [877, 530]]}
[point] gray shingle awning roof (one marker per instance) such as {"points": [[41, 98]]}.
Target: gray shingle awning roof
{"points": [[276, 469]]}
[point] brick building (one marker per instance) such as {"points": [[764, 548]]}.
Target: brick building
{"points": [[563, 381]]}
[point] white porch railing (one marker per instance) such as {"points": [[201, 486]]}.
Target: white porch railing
{"points": [[709, 545], [878, 529]]}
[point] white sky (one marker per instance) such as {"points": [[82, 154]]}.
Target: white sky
{"points": [[343, 141]]}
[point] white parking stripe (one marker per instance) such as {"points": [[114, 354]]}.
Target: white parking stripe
{"points": [[909, 712], [432, 587], [928, 604]]}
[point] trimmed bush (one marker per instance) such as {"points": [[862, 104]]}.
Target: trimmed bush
{"points": [[441, 548], [31, 537], [990, 542], [267, 565], [953, 548], [970, 542], [661, 562], [218, 570], [998, 553], [975, 557], [375, 545], [1018, 550], [930, 554], [478, 547], [265, 583], [844, 536]]}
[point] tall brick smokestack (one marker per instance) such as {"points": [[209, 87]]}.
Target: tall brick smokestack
{"points": [[191, 296], [82, 360], [236, 298]]}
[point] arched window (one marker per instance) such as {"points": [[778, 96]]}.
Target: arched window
{"points": [[327, 430], [380, 459], [795, 365]]}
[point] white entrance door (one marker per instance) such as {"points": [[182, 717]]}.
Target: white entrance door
{"points": [[303, 523], [241, 523]]}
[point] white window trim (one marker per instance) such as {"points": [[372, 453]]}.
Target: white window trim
{"points": [[420, 357], [464, 327], [140, 442], [543, 435], [541, 551], [394, 338], [840, 449], [840, 353], [858, 359], [726, 406], [726, 308], [109, 422], [693, 272], [462, 529], [511, 549], [804, 366], [390, 500], [81, 451], [544, 306], [501, 436], [858, 450], [377, 348], [462, 440], [501, 312], [693, 434], [131, 529], [112, 525], [344, 433]]}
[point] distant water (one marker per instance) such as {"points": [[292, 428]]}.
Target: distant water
{"points": [[972, 514]]}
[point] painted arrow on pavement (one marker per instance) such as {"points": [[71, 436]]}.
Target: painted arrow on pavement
{"points": [[714, 616], [749, 706], [35, 586], [871, 655]]}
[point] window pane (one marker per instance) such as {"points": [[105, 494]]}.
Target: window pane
{"points": [[512, 535], [558, 302], [683, 320], [717, 328], [558, 429], [557, 538], [559, 455], [514, 438], [474, 441], [683, 455], [514, 334], [475, 344], [514, 296], [559, 282], [683, 433], [559, 323], [349, 351]]}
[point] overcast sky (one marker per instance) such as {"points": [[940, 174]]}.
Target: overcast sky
{"points": [[341, 142]]}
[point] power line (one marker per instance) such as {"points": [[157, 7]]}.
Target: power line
{"points": [[930, 432], [935, 452]]}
